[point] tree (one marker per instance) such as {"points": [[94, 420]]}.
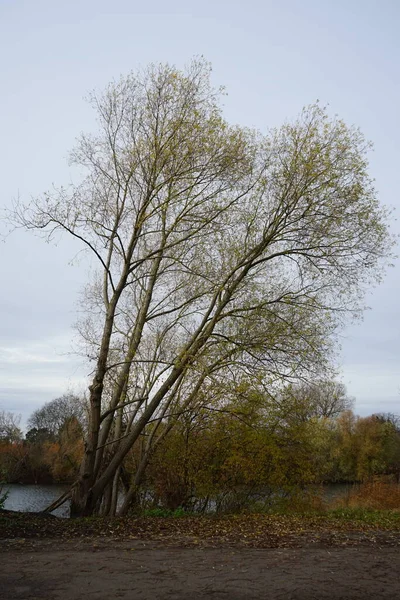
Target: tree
{"points": [[391, 442], [365, 447], [63, 457], [329, 398], [216, 246], [51, 418], [39, 436], [11, 452], [9, 427], [320, 399], [232, 455]]}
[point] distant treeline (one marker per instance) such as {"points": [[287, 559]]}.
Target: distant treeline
{"points": [[245, 447]]}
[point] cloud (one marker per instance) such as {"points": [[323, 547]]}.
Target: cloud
{"points": [[21, 357], [375, 386], [37, 372]]}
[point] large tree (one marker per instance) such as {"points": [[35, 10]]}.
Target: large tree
{"points": [[54, 415], [318, 399], [219, 249]]}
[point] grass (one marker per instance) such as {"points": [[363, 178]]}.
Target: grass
{"points": [[373, 517], [165, 513], [375, 504]]}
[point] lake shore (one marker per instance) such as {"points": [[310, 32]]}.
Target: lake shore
{"points": [[248, 530]]}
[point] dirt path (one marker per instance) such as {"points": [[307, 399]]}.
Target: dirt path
{"points": [[107, 569]]}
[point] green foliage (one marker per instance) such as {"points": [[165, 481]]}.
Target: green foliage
{"points": [[39, 436], [236, 457], [266, 455], [364, 447], [221, 251], [164, 512]]}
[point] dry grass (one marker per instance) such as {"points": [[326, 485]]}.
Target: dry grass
{"points": [[375, 495]]}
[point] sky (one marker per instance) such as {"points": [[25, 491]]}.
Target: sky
{"points": [[272, 57]]}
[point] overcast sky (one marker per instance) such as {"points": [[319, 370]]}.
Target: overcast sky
{"points": [[273, 57]]}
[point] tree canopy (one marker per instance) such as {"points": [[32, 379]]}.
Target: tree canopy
{"points": [[221, 251], [9, 426], [53, 416]]}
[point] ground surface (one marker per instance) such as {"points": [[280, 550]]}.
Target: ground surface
{"points": [[240, 558], [107, 569]]}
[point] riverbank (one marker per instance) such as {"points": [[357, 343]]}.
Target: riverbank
{"points": [[344, 528]]}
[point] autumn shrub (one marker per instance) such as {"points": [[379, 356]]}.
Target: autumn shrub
{"points": [[230, 467], [375, 495], [62, 457], [308, 500], [243, 460]]}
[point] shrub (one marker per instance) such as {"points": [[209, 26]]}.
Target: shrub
{"points": [[374, 495]]}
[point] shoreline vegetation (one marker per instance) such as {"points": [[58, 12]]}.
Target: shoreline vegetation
{"points": [[222, 464], [335, 528], [367, 515]]}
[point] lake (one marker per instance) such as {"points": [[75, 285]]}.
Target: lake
{"points": [[34, 498]]}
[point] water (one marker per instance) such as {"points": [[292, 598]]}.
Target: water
{"points": [[337, 491], [34, 498]]}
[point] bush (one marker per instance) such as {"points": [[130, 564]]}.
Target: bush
{"points": [[374, 495]]}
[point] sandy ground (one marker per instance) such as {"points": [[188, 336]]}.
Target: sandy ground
{"points": [[107, 569]]}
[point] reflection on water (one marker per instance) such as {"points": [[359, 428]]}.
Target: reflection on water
{"points": [[336, 491], [34, 498]]}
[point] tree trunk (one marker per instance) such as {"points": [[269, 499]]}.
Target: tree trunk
{"points": [[114, 495]]}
